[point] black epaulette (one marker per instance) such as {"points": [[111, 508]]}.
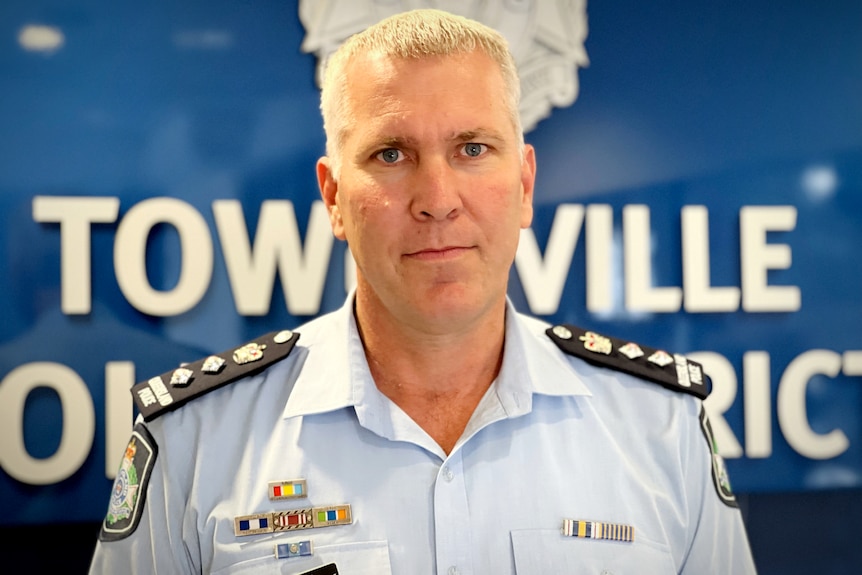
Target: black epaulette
{"points": [[673, 371], [173, 389]]}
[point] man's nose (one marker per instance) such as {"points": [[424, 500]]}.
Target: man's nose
{"points": [[436, 190]]}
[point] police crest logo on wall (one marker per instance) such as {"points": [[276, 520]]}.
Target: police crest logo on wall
{"points": [[546, 38], [130, 486]]}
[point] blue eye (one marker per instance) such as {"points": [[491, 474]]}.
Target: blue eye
{"points": [[389, 155], [473, 149]]}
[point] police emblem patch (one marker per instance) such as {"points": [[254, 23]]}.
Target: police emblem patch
{"points": [[130, 486], [720, 477]]}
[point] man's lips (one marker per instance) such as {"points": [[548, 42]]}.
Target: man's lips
{"points": [[438, 253]]}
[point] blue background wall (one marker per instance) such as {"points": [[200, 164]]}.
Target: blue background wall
{"points": [[724, 105]]}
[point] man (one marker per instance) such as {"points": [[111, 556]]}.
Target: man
{"points": [[426, 427]]}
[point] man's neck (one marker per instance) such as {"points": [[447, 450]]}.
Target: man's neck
{"points": [[438, 378]]}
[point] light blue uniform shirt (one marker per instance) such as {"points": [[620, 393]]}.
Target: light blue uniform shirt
{"points": [[554, 438]]}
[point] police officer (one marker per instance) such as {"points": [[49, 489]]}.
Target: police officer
{"points": [[426, 426]]}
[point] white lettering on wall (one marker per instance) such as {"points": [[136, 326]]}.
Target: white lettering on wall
{"points": [[792, 410], [277, 246], [543, 279], [600, 257], [699, 295], [758, 404], [119, 379], [130, 256], [302, 266], [79, 423], [75, 216], [637, 247], [758, 257]]}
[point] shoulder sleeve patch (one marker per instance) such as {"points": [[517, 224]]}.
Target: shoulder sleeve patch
{"points": [[172, 390], [673, 371], [720, 477], [130, 486]]}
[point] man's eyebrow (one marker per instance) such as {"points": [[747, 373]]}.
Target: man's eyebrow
{"points": [[395, 141], [478, 134], [377, 143]]}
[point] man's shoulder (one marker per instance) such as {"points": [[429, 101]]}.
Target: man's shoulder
{"points": [[670, 370], [171, 390]]}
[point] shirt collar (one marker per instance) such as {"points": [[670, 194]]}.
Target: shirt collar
{"points": [[323, 383], [335, 374]]}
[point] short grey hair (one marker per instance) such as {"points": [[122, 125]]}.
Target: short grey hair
{"points": [[413, 34]]}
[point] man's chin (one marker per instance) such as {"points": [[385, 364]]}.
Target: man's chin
{"points": [[449, 305]]}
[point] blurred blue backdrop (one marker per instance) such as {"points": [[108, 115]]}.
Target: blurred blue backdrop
{"points": [[748, 109]]}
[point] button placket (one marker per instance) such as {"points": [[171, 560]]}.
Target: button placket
{"points": [[451, 519]]}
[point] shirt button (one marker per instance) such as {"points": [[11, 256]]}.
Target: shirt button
{"points": [[453, 570], [448, 475]]}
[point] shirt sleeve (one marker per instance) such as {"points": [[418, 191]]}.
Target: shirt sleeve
{"points": [[719, 542], [143, 532]]}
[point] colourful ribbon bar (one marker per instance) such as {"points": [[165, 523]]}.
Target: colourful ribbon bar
{"points": [[598, 530], [253, 524], [276, 521], [293, 489]]}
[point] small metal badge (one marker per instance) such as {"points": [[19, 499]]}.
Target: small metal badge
{"points": [[695, 373], [182, 377], [213, 364], [681, 364], [562, 332], [660, 358], [297, 549], [293, 489], [631, 351], [596, 343], [155, 392], [248, 353], [598, 530], [283, 336]]}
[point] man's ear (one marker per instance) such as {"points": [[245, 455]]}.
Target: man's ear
{"points": [[528, 183], [329, 192]]}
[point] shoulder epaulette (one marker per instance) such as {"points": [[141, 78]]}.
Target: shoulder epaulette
{"points": [[173, 389], [673, 371]]}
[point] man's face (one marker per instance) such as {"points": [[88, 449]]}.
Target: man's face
{"points": [[432, 191]]}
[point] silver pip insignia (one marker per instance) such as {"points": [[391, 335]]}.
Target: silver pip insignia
{"points": [[213, 364], [182, 377]]}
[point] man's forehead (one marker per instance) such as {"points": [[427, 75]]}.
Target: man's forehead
{"points": [[379, 84], [386, 94], [376, 69], [408, 128]]}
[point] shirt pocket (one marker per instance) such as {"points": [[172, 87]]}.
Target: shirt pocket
{"points": [[544, 551], [358, 558]]}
